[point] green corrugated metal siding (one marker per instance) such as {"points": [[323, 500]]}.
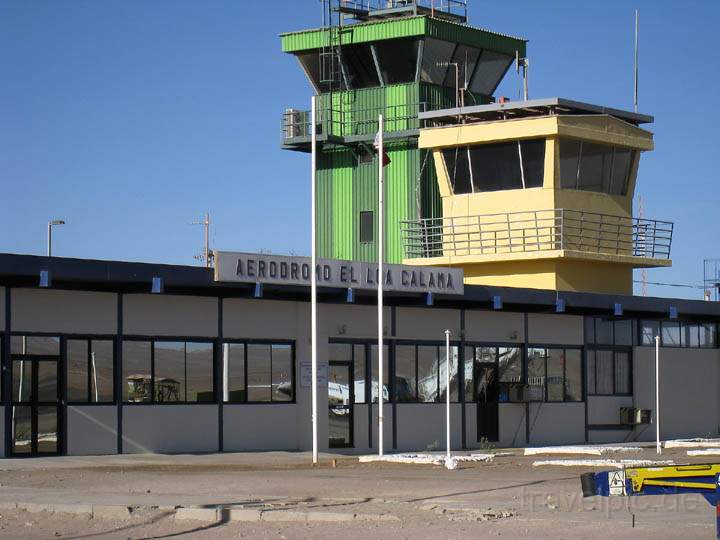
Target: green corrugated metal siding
{"points": [[343, 233], [405, 27]]}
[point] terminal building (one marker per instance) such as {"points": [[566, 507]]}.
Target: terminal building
{"points": [[509, 223]]}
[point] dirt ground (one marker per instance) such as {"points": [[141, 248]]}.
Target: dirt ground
{"points": [[506, 498]]}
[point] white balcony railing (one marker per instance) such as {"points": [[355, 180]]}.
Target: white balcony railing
{"points": [[532, 231]]}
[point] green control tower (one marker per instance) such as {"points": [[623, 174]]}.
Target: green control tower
{"points": [[398, 58]]}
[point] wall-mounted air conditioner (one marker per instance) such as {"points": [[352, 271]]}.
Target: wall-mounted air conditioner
{"points": [[633, 416]]}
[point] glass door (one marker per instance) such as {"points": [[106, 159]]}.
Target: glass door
{"points": [[35, 397], [487, 392], [340, 400]]}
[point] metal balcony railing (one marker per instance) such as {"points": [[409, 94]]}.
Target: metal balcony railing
{"points": [[344, 123], [456, 8], [533, 231]]}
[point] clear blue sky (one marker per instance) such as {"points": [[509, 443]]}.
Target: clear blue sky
{"points": [[129, 118]]}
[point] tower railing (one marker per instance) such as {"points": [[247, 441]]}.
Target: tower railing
{"points": [[536, 231], [457, 9], [343, 123]]}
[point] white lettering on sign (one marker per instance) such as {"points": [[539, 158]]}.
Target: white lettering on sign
{"points": [[616, 483]]}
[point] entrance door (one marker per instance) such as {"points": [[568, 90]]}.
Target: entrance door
{"points": [[340, 400], [35, 406], [487, 392]]}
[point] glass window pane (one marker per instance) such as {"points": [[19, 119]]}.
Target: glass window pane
{"points": [[536, 367], [555, 375], [590, 330], [169, 371], [489, 72], [359, 368], [35, 345], [21, 430], [510, 364], [496, 166], [604, 372], [707, 335], [199, 372], [101, 371], [573, 375], [595, 164], [359, 66], [137, 383], [405, 380], [77, 370], [22, 381], [691, 335], [458, 169], [233, 372], [671, 334], [604, 331], [340, 352], [397, 59], [47, 440], [282, 373], [442, 388], [590, 355], [259, 373], [624, 332], [648, 331], [436, 55], [533, 155], [427, 373], [466, 58], [47, 381], [621, 171], [622, 373], [310, 61], [569, 156], [468, 373], [386, 372]]}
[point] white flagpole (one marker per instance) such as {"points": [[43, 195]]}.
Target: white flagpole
{"points": [[381, 155], [657, 393], [313, 286], [447, 392]]}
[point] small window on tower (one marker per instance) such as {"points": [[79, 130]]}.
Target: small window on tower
{"points": [[366, 227]]}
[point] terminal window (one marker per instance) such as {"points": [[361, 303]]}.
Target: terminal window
{"points": [[366, 227]]}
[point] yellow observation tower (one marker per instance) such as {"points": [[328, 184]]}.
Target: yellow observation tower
{"points": [[538, 194]]}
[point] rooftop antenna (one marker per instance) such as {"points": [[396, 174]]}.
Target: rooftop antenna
{"points": [[206, 255], [525, 64], [635, 94]]}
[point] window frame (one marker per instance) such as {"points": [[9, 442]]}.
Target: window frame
{"points": [[682, 324], [564, 348], [615, 349], [114, 339], [432, 343], [362, 214], [633, 160], [270, 343], [167, 339]]}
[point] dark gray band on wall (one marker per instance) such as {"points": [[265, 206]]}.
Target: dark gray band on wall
{"points": [[526, 340], [461, 380], [117, 368], [391, 378]]}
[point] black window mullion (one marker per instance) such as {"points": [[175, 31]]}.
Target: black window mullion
{"points": [[152, 371], [271, 373], [245, 370], [185, 371], [89, 374]]}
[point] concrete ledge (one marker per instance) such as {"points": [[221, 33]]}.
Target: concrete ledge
{"points": [[107, 511], [285, 515], [198, 514], [244, 514]]}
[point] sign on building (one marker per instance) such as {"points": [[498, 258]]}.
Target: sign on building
{"points": [[283, 270]]}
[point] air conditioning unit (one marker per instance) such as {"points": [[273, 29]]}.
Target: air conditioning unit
{"points": [[292, 123], [633, 416]]}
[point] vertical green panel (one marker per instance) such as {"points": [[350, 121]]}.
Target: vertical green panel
{"points": [[323, 191], [342, 206], [364, 199], [397, 183]]}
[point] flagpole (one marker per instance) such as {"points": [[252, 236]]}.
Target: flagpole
{"points": [[313, 285], [381, 163]]}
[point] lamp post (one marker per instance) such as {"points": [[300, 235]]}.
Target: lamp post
{"points": [[49, 234]]}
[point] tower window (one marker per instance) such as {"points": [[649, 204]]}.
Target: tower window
{"points": [[595, 167], [366, 227]]}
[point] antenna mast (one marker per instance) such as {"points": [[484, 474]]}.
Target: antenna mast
{"points": [[205, 256], [635, 94]]}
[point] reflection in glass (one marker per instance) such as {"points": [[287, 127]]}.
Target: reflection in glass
{"points": [[77, 375], [468, 373], [47, 381], [282, 376], [489, 72], [22, 430], [169, 372], [359, 369], [405, 379], [199, 372], [397, 59], [386, 372], [555, 375], [509, 364], [101, 371], [427, 373], [22, 381], [258, 373], [573, 375], [47, 436], [35, 345], [136, 371], [233, 372], [436, 55], [442, 373], [339, 410]]}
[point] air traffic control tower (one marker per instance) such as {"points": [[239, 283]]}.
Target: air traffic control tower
{"points": [[399, 58]]}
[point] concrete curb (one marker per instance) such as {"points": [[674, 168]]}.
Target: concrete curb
{"points": [[207, 515]]}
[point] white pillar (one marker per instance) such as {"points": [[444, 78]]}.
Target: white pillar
{"points": [[226, 372], [447, 391], [381, 154], [313, 285], [657, 394]]}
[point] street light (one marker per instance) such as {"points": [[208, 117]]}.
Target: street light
{"points": [[49, 234]]}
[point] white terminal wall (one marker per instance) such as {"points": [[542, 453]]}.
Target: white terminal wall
{"points": [[494, 326], [424, 323], [91, 430], [170, 429], [555, 329], [169, 315], [49, 310]]}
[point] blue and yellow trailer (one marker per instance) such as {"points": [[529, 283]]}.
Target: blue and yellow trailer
{"points": [[703, 479]]}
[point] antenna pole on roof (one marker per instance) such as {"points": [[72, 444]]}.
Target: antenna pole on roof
{"points": [[635, 94]]}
